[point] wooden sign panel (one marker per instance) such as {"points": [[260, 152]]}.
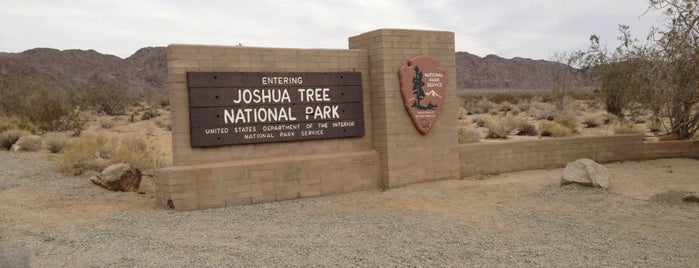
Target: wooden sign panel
{"points": [[255, 107]]}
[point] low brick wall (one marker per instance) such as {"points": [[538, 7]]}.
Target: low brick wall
{"points": [[489, 158]]}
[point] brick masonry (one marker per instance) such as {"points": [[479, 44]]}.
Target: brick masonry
{"points": [[392, 153], [492, 158]]}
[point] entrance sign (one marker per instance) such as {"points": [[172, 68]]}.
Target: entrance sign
{"points": [[255, 107], [423, 86]]}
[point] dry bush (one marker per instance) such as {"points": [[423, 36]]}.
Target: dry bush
{"points": [[479, 121], [106, 122], [92, 147], [150, 114], [499, 128], [593, 120], [566, 120], [485, 106], [461, 113], [609, 118], [468, 134], [542, 110], [14, 122], [55, 142], [506, 106], [629, 128], [553, 129], [654, 125], [525, 128], [11, 136]]}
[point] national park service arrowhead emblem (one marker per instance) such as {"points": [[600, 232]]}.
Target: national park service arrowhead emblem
{"points": [[422, 85]]}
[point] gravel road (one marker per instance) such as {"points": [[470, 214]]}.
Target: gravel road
{"points": [[514, 219]]}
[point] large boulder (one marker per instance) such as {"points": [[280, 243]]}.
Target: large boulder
{"points": [[29, 143], [119, 177], [586, 172]]}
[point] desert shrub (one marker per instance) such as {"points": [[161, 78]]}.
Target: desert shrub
{"points": [[150, 114], [106, 122], [542, 110], [523, 104], [593, 120], [468, 134], [479, 121], [11, 136], [506, 106], [485, 106], [654, 125], [55, 142], [566, 120], [628, 128], [29, 143], [525, 128], [609, 118], [162, 99], [14, 122], [498, 128], [553, 129], [110, 96], [134, 149]]}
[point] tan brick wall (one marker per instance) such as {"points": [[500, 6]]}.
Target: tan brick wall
{"points": [[490, 158], [243, 174], [406, 155]]}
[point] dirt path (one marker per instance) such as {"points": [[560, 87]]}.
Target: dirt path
{"points": [[512, 219]]}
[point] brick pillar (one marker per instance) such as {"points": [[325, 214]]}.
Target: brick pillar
{"points": [[406, 155]]}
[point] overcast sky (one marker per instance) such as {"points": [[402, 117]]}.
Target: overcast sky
{"points": [[509, 28]]}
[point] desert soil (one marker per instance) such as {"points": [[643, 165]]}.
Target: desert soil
{"points": [[513, 219]]}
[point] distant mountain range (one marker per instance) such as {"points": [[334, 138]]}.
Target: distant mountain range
{"points": [[146, 70]]}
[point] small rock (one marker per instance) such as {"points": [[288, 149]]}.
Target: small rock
{"points": [[119, 177], [586, 172], [691, 197]]}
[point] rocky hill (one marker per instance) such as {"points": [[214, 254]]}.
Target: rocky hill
{"points": [[492, 71], [145, 71]]}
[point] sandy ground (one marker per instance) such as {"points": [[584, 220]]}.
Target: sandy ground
{"points": [[519, 218]]}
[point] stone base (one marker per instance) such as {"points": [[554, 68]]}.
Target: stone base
{"points": [[220, 184]]}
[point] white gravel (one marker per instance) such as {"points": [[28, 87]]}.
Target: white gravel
{"points": [[553, 226]]}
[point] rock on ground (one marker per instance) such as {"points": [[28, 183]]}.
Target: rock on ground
{"points": [[119, 177], [586, 172]]}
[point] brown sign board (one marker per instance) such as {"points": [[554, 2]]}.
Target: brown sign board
{"points": [[423, 87], [228, 108]]}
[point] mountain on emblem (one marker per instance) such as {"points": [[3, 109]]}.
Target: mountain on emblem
{"points": [[422, 85]]}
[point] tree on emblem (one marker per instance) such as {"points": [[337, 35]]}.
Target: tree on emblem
{"points": [[419, 92], [417, 89]]}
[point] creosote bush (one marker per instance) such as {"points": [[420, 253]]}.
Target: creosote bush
{"points": [[55, 142]]}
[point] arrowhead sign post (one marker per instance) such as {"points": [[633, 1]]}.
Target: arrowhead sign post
{"points": [[422, 85]]}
